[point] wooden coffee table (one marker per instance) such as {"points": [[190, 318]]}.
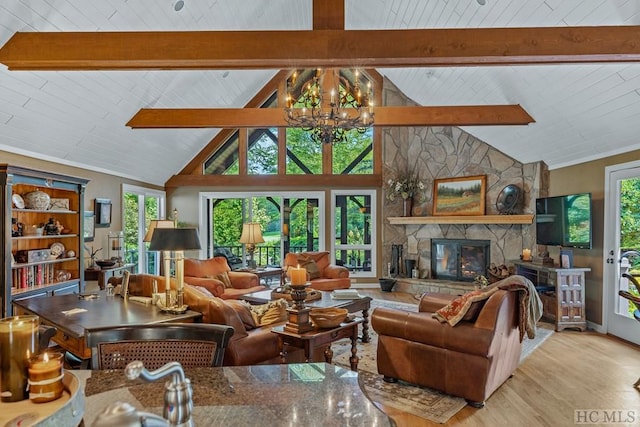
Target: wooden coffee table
{"points": [[352, 305], [102, 311], [320, 338]]}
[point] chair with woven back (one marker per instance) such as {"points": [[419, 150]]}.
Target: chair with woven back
{"points": [[193, 345]]}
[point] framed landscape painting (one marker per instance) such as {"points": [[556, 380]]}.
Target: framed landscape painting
{"points": [[459, 196]]}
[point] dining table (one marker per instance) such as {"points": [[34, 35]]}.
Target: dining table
{"points": [[309, 394]]}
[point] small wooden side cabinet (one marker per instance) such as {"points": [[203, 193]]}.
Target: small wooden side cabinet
{"points": [[102, 275], [562, 291]]}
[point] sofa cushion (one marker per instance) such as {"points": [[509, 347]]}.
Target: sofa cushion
{"points": [[310, 265], [205, 267], [243, 309], [224, 278], [272, 312]]}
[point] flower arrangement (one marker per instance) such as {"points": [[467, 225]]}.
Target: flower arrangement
{"points": [[405, 187]]}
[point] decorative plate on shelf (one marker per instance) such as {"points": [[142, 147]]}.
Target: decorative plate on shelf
{"points": [[57, 249], [18, 201], [508, 202]]}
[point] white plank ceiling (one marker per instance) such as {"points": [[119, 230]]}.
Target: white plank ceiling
{"points": [[582, 112]]}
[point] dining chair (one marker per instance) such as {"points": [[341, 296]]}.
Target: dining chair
{"points": [[191, 344]]}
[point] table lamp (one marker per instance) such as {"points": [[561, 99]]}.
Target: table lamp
{"points": [[157, 223], [177, 240], [251, 234]]}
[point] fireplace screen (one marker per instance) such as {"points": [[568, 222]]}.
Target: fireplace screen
{"points": [[463, 260]]}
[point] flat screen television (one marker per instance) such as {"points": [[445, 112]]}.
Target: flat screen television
{"points": [[564, 221]]}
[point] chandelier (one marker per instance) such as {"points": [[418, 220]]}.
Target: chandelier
{"points": [[328, 121]]}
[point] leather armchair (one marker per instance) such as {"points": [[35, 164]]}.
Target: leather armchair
{"points": [[204, 272], [331, 276], [471, 359]]}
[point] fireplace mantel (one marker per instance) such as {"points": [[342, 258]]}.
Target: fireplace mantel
{"points": [[461, 219]]}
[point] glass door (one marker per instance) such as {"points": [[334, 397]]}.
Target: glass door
{"points": [[290, 222], [622, 241], [141, 205]]}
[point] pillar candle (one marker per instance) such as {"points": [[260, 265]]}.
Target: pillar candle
{"points": [[526, 254], [18, 341], [298, 275], [45, 377]]}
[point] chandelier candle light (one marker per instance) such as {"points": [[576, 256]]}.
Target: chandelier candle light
{"points": [[347, 108]]}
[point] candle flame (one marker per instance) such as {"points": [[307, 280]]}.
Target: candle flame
{"points": [[45, 357]]}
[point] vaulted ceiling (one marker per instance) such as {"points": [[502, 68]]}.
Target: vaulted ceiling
{"points": [[581, 111]]}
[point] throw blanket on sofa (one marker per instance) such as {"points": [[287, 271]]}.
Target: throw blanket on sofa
{"points": [[530, 305]]}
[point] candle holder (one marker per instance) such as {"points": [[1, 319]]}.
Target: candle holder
{"points": [[45, 377], [299, 321], [18, 341], [116, 244]]}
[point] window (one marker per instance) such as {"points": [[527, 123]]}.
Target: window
{"points": [[303, 155], [290, 222], [353, 213], [141, 205]]}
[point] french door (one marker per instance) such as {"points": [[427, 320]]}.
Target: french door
{"points": [[621, 239], [290, 222], [141, 205]]}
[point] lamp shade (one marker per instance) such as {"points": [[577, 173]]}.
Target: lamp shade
{"points": [[251, 233], [174, 239], [156, 223]]}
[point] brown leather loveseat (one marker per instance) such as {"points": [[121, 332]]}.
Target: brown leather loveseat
{"points": [[247, 346], [471, 359]]}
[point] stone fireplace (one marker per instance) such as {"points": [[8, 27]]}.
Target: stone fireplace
{"points": [[459, 259]]}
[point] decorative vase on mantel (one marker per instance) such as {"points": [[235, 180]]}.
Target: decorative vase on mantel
{"points": [[407, 206]]}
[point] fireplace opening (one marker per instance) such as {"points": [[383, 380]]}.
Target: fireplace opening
{"points": [[458, 259]]}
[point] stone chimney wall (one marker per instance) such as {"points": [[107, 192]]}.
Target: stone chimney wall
{"points": [[446, 152]]}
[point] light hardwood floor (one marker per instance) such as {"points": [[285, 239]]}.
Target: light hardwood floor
{"points": [[570, 371]]}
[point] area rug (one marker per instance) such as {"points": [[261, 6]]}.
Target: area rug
{"points": [[420, 401]]}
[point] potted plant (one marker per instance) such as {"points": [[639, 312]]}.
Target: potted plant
{"points": [[405, 187]]}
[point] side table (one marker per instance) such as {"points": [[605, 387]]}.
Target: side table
{"points": [[267, 273], [320, 338], [103, 274]]}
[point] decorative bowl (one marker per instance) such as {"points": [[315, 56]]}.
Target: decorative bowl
{"points": [[106, 263], [328, 317], [37, 200]]}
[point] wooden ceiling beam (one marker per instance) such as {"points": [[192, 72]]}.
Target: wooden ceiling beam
{"points": [[471, 115], [319, 48], [328, 14]]}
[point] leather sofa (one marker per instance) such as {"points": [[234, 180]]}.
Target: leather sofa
{"points": [[471, 359], [207, 273], [331, 276], [246, 346]]}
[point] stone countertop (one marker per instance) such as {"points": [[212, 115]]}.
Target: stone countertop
{"points": [[275, 395]]}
